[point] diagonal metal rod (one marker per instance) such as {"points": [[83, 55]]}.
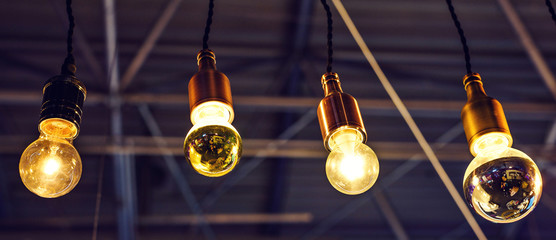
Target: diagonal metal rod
{"points": [[410, 122], [149, 43], [390, 215], [251, 164], [98, 198], [550, 203], [550, 138], [549, 142], [425, 108], [529, 45], [174, 168], [456, 233], [385, 182]]}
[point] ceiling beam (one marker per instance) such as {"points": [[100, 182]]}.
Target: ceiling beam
{"points": [[253, 218], [530, 47], [124, 167], [173, 166], [522, 110], [149, 42], [277, 178], [391, 217], [165, 220], [260, 154], [260, 148]]}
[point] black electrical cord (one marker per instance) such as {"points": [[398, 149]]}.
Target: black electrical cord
{"points": [[461, 36], [329, 36], [69, 63], [551, 10], [207, 26]]}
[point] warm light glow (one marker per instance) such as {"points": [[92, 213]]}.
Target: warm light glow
{"points": [[502, 184], [492, 139], [50, 166], [212, 146], [352, 167], [475, 180], [213, 111]]}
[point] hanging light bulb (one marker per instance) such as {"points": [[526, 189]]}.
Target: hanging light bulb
{"points": [[50, 166], [212, 146], [501, 183], [352, 167]]}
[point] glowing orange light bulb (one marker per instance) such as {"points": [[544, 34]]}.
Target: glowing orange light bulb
{"points": [[50, 166]]}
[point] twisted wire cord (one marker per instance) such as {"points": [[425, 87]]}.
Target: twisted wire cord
{"points": [[329, 36], [207, 26], [69, 62], [551, 10], [461, 36]]}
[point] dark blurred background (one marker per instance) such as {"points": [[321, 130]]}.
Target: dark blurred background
{"points": [[274, 53]]}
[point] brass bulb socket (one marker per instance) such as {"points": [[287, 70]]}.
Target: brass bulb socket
{"points": [[337, 110], [209, 84], [481, 114], [63, 97]]}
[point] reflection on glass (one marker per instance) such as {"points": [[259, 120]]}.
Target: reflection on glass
{"points": [[502, 184], [213, 146], [213, 150]]}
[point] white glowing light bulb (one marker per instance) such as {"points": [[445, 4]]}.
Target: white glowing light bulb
{"points": [[352, 167], [51, 166]]}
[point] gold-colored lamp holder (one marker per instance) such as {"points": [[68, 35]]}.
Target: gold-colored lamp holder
{"points": [[209, 84], [481, 114], [337, 110]]}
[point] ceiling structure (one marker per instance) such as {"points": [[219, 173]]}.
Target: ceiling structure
{"points": [[274, 53]]}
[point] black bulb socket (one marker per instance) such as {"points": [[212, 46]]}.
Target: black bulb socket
{"points": [[63, 97]]}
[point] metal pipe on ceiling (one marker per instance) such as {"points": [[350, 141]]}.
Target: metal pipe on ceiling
{"points": [[175, 171], [123, 165], [149, 43], [522, 110], [166, 220], [530, 47], [269, 148]]}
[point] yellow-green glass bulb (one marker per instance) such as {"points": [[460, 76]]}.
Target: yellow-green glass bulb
{"points": [[50, 166], [212, 146], [352, 167], [502, 184]]}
